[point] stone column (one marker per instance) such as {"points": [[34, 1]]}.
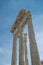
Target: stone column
{"points": [[25, 48], [21, 47], [14, 50], [33, 45]]}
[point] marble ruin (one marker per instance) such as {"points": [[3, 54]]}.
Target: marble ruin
{"points": [[24, 18]]}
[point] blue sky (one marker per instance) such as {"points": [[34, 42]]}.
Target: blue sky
{"points": [[8, 11]]}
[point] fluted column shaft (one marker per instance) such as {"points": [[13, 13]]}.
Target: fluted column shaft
{"points": [[14, 50], [33, 45], [25, 49], [21, 47]]}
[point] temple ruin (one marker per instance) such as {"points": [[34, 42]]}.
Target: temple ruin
{"points": [[24, 18]]}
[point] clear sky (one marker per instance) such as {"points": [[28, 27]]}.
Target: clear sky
{"points": [[8, 11]]}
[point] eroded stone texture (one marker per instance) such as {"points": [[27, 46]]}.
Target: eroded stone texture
{"points": [[14, 50], [33, 45], [25, 48], [24, 18], [21, 47]]}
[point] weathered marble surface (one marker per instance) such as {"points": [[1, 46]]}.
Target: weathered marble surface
{"points": [[24, 18], [25, 48], [21, 47], [35, 59], [14, 55]]}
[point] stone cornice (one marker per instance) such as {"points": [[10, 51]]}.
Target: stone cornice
{"points": [[20, 16]]}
